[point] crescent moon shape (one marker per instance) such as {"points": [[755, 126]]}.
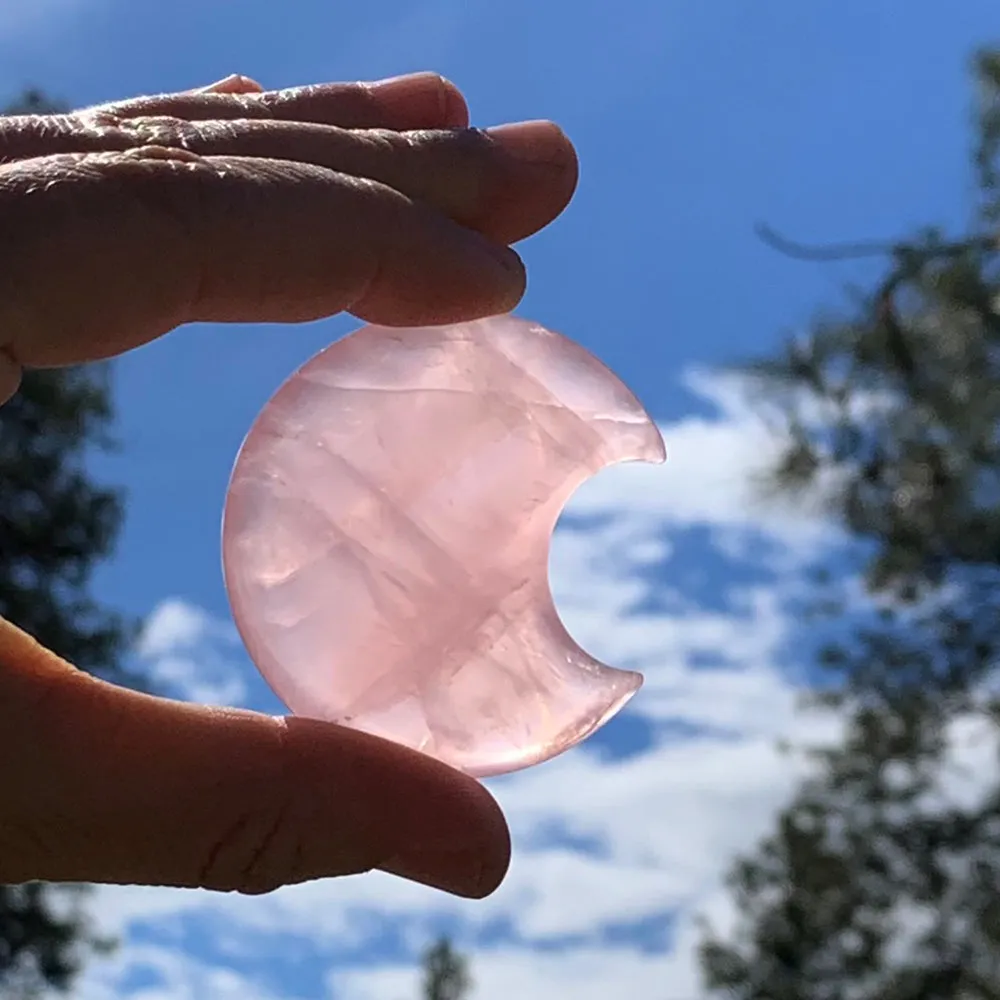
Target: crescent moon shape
{"points": [[387, 529]]}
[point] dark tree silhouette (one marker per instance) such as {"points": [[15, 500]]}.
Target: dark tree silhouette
{"points": [[880, 883], [446, 975], [55, 525]]}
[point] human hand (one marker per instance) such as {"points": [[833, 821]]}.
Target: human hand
{"points": [[124, 221], [234, 205]]}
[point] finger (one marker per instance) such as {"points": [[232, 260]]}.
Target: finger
{"points": [[506, 183], [235, 83], [420, 100], [100, 784], [104, 252]]}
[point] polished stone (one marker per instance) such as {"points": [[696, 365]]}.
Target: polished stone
{"points": [[386, 537]]}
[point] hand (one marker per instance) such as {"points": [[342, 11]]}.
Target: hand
{"points": [[125, 221], [230, 204]]}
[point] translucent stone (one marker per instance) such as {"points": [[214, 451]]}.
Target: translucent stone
{"points": [[387, 529]]}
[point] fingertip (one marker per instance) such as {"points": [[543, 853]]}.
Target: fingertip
{"points": [[541, 177], [496, 837], [235, 83], [426, 99], [163, 793], [455, 109], [512, 276], [434, 824], [469, 874], [474, 866], [467, 278]]}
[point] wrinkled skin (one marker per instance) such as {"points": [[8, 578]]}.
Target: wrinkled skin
{"points": [[232, 204]]}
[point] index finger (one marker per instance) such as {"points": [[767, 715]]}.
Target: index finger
{"points": [[415, 101], [110, 251], [101, 784]]}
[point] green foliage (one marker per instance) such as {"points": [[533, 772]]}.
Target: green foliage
{"points": [[446, 975], [880, 880], [55, 525]]}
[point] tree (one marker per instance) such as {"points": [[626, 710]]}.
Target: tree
{"points": [[55, 525], [880, 881], [34, 102], [446, 975]]}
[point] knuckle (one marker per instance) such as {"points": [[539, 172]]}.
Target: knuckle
{"points": [[101, 118], [158, 151], [259, 849], [112, 128], [100, 130], [163, 131], [461, 166], [387, 143], [272, 103], [441, 154], [250, 104], [366, 94], [29, 136]]}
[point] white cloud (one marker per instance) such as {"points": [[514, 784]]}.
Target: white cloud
{"points": [[501, 975], [189, 654], [664, 822], [164, 974]]}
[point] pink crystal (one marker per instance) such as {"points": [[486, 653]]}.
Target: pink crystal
{"points": [[386, 537]]}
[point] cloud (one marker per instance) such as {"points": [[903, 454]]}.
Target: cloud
{"points": [[621, 843], [510, 973], [158, 973], [191, 655]]}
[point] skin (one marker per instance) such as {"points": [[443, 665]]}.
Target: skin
{"points": [[232, 204]]}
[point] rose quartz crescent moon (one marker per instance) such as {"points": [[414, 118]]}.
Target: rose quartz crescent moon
{"points": [[386, 537]]}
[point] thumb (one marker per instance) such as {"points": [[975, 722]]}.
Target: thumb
{"points": [[102, 784]]}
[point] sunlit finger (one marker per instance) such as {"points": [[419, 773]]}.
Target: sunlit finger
{"points": [[422, 100], [100, 784], [105, 252]]}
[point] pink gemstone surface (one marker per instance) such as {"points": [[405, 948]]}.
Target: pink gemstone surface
{"points": [[386, 537]]}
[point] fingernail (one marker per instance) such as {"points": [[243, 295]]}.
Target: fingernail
{"points": [[403, 89], [456, 872], [234, 83], [407, 78], [405, 84], [505, 256], [534, 142], [509, 259]]}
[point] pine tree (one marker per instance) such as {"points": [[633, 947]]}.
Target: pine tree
{"points": [[446, 975], [55, 525], [880, 881]]}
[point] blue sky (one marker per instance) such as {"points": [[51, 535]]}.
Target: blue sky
{"points": [[833, 119]]}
